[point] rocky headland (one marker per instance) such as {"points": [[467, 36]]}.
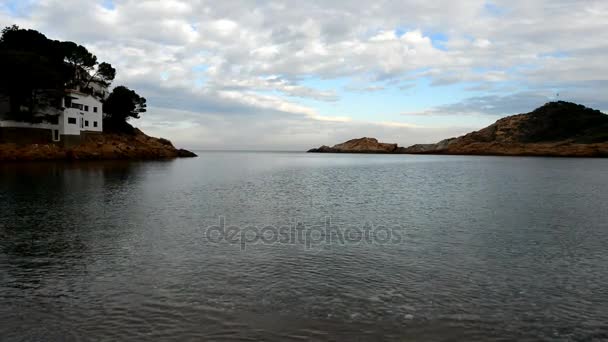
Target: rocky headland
{"points": [[105, 146], [560, 129]]}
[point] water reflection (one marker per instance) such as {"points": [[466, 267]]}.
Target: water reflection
{"points": [[57, 214], [493, 247]]}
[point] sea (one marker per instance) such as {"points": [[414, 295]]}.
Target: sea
{"points": [[290, 246]]}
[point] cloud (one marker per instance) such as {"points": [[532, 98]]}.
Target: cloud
{"points": [[278, 132], [263, 62], [365, 88], [498, 105], [522, 102]]}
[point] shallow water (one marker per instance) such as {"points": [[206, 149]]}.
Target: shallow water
{"points": [[325, 247]]}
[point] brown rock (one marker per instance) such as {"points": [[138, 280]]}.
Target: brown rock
{"points": [[185, 153], [98, 146], [362, 145], [560, 129]]}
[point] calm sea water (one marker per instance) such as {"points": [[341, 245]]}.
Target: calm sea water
{"points": [[324, 247]]}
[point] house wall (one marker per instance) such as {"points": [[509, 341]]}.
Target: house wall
{"points": [[28, 133], [71, 128], [70, 140], [83, 115], [69, 133], [20, 124], [74, 140], [25, 135]]}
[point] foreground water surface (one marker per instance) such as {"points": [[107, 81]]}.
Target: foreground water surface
{"points": [[324, 247]]}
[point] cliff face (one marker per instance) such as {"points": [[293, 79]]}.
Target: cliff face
{"points": [[100, 146], [362, 145], [555, 129]]}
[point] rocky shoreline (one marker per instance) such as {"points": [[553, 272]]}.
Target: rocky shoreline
{"points": [[106, 146], [557, 129]]}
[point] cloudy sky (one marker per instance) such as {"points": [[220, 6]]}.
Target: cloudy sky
{"points": [[291, 75]]}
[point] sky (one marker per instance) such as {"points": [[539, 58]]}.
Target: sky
{"points": [[292, 75]]}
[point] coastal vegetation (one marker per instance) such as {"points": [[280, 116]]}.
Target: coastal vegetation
{"points": [[36, 71], [122, 105]]}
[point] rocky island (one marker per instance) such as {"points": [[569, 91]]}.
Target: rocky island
{"points": [[362, 145], [560, 129]]}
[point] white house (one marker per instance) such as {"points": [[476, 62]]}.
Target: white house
{"points": [[82, 113]]}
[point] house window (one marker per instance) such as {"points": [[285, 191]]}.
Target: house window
{"points": [[86, 123], [94, 123], [72, 121], [86, 108], [94, 109]]}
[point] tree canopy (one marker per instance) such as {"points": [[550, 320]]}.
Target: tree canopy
{"points": [[105, 74], [121, 105], [36, 70]]}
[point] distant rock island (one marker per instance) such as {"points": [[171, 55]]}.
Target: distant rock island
{"points": [[362, 145], [556, 129]]}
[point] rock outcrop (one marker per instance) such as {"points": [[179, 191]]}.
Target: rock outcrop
{"points": [[555, 129], [99, 146], [560, 129], [362, 145]]}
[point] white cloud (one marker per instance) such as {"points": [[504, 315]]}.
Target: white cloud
{"points": [[219, 60], [278, 132]]}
